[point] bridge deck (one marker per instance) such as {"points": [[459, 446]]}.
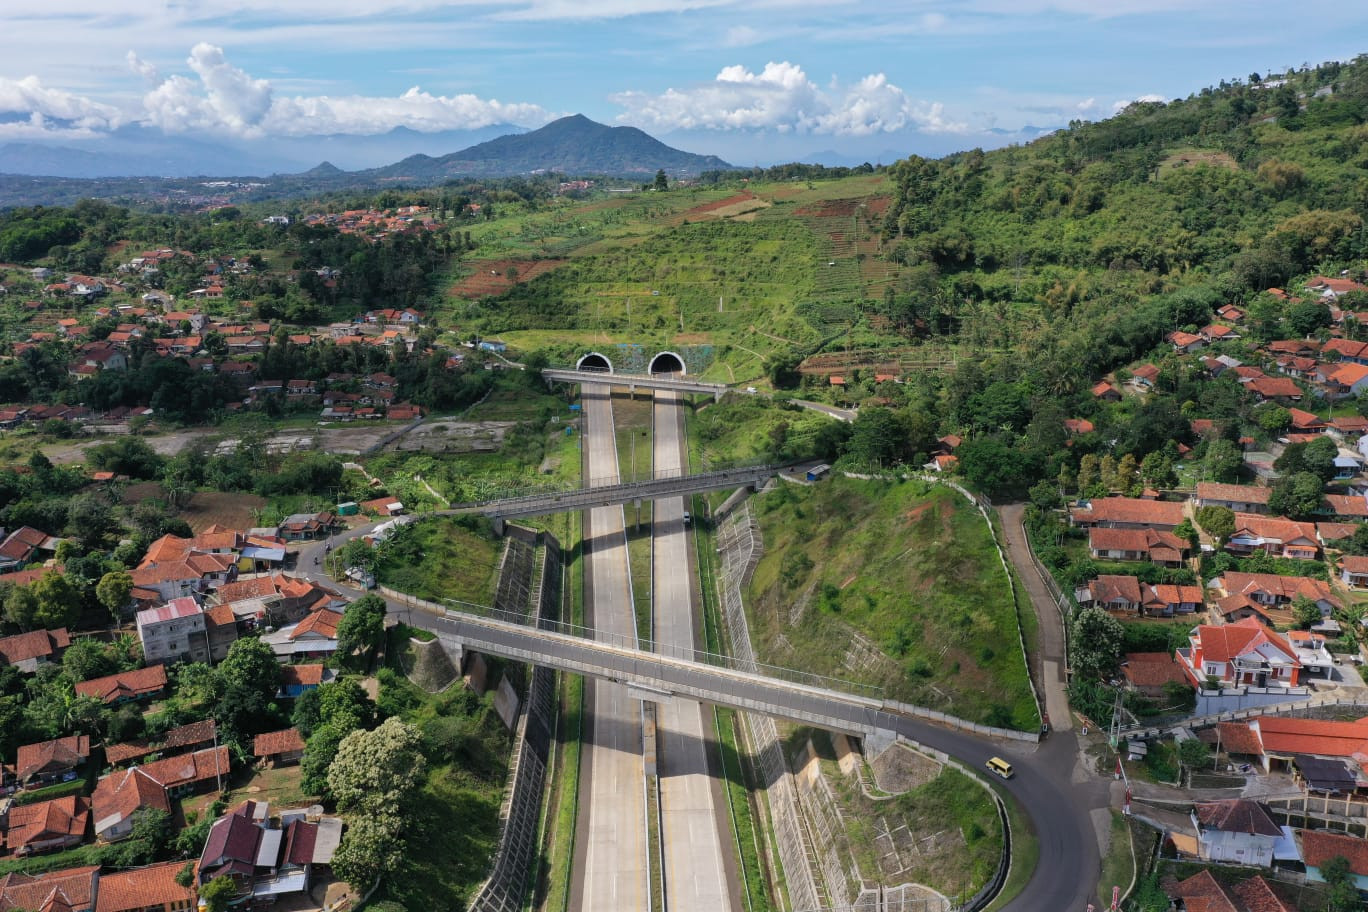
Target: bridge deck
{"points": [[642, 381], [607, 495], [665, 674]]}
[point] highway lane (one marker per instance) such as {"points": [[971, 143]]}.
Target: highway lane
{"points": [[613, 819], [693, 848]]}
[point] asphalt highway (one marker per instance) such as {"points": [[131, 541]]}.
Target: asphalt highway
{"points": [[613, 818], [695, 874]]}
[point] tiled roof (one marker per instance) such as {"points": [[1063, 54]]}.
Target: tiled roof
{"points": [[143, 888], [1257, 896], [1348, 504], [1273, 527], [125, 684], [1228, 641], [118, 795], [300, 838], [59, 754], [278, 742], [1319, 846], [173, 610], [33, 645], [1211, 490], [1238, 815], [1354, 563], [45, 820], [195, 733], [1284, 587], [187, 769], [1315, 737], [1174, 594], [1110, 588], [303, 675], [1239, 738], [1142, 540], [323, 622], [1152, 669], [1131, 510], [28, 891]]}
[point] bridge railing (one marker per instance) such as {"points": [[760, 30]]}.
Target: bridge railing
{"points": [[741, 473], [671, 651]]}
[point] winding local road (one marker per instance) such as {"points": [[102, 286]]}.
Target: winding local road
{"points": [[696, 875], [612, 825]]}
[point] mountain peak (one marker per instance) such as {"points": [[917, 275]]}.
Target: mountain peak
{"points": [[569, 145]]}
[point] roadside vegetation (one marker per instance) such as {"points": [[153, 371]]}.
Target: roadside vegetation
{"points": [[895, 584]]}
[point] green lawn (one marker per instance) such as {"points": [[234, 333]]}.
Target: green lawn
{"points": [[893, 584]]}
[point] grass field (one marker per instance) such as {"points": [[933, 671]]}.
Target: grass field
{"points": [[893, 584], [445, 557]]}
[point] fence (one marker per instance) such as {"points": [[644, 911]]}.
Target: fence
{"points": [[506, 888]]}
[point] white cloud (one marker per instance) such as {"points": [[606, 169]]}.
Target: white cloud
{"points": [[226, 99], [742, 36], [39, 105], [781, 97]]}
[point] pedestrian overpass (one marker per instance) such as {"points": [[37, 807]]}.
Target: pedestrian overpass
{"points": [[608, 495], [660, 676]]}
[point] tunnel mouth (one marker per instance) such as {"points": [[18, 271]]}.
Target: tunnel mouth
{"points": [[595, 362], [667, 362]]}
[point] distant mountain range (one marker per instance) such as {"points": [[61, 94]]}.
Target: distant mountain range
{"points": [[572, 145]]}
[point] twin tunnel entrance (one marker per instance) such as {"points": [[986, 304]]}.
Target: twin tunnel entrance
{"points": [[666, 362]]}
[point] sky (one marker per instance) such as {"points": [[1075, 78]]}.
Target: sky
{"points": [[754, 81]]}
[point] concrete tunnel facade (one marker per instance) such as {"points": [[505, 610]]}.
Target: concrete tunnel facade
{"points": [[594, 361], [667, 362]]}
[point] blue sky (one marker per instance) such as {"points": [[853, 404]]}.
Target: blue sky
{"points": [[759, 80]]}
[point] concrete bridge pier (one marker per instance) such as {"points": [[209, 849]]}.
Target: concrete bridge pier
{"points": [[499, 526]]}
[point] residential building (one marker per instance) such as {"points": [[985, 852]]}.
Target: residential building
{"points": [[306, 526], [314, 637], [1105, 392], [174, 632], [1147, 673], [1354, 570], [23, 546], [27, 651], [1128, 513], [267, 858], [45, 826], [1268, 596], [47, 761], [295, 680], [1128, 595], [67, 890], [279, 748], [196, 573], [179, 740], [1240, 654], [1237, 498], [150, 889], [1274, 536], [141, 684], [1236, 830], [1204, 893], [1266, 388], [1146, 544], [220, 626], [1309, 645], [120, 796], [281, 598], [1319, 846], [187, 774], [1348, 506]]}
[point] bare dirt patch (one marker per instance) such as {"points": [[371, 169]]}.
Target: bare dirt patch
{"points": [[1188, 158], [741, 206], [234, 511], [440, 436], [836, 208], [902, 769], [492, 277]]}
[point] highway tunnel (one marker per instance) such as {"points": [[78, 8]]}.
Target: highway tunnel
{"points": [[667, 363], [595, 362]]}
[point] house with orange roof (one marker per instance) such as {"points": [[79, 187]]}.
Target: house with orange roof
{"points": [[1148, 544], [150, 889], [1244, 653], [1274, 536], [47, 761], [1075, 426], [1319, 846], [47, 825], [119, 796], [1346, 381], [1267, 597], [314, 637], [67, 890], [1185, 342], [295, 680], [1104, 391], [27, 651], [195, 573], [186, 774], [1236, 498], [141, 684], [1148, 672], [1331, 288], [1204, 893], [1128, 513], [1127, 595], [279, 748]]}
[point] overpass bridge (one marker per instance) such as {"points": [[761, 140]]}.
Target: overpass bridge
{"points": [[608, 495], [634, 381], [660, 676]]}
